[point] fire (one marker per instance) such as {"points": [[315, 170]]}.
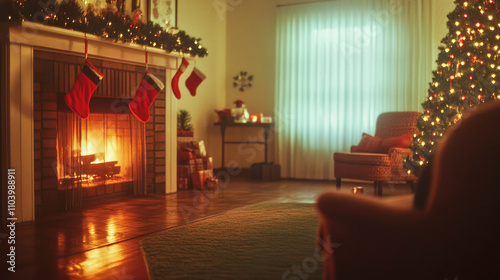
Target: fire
{"points": [[97, 160], [103, 145]]}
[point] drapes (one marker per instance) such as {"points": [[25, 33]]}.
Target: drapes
{"points": [[339, 65]]}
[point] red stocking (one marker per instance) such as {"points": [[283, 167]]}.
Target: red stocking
{"points": [[78, 97], [144, 97], [175, 79], [194, 80]]}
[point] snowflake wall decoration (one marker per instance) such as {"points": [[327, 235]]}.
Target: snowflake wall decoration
{"points": [[242, 80]]}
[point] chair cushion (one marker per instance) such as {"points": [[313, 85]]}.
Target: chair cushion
{"points": [[402, 141], [373, 144], [362, 158], [368, 144]]}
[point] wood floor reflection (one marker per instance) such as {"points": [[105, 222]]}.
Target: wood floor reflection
{"points": [[102, 241]]}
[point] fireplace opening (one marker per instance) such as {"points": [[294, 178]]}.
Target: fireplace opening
{"points": [[101, 153]]}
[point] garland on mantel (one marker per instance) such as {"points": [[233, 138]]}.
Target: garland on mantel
{"points": [[109, 25]]}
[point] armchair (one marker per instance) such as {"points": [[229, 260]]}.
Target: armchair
{"points": [[381, 165], [455, 235]]}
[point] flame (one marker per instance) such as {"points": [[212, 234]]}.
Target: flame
{"points": [[97, 160]]}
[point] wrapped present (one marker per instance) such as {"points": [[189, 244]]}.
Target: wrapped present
{"points": [[212, 183], [208, 163], [184, 155], [184, 176], [201, 152], [194, 164], [193, 145], [199, 178], [182, 183], [197, 164], [184, 171]]}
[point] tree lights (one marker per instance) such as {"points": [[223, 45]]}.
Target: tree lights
{"points": [[468, 64]]}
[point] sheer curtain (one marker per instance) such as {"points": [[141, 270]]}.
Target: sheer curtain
{"points": [[339, 65]]}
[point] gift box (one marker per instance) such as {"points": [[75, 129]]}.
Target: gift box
{"points": [[197, 164], [182, 183], [195, 146], [194, 164], [199, 178], [184, 155], [201, 152], [184, 177], [212, 183], [208, 163]]}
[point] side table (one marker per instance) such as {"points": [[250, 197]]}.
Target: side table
{"points": [[224, 125]]}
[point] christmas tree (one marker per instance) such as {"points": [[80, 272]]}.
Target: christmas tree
{"points": [[467, 73]]}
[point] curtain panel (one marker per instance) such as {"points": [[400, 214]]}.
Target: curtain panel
{"points": [[339, 64]]}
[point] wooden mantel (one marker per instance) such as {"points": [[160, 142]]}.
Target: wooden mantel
{"points": [[17, 43]]}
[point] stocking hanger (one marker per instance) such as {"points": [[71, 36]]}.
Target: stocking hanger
{"points": [[147, 59], [86, 46]]}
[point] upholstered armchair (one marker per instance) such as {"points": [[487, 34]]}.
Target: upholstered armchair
{"points": [[376, 160], [455, 235]]}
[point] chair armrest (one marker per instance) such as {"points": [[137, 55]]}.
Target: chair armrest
{"points": [[370, 233], [398, 154]]}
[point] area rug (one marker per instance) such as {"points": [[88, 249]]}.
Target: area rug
{"points": [[261, 241]]}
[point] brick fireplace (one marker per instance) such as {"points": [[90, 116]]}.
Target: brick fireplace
{"points": [[62, 161]]}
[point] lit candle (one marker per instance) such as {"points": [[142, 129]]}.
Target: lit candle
{"points": [[357, 190]]}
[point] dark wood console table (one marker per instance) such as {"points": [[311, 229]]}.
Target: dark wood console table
{"points": [[224, 125]]}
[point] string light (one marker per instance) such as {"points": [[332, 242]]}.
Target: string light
{"points": [[107, 25], [472, 47]]}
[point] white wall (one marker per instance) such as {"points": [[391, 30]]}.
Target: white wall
{"points": [[200, 19], [251, 47], [240, 36]]}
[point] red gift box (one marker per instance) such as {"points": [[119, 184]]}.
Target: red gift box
{"points": [[194, 164], [212, 183], [197, 164], [185, 171], [208, 163], [182, 183], [200, 178], [184, 155]]}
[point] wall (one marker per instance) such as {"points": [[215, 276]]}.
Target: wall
{"points": [[200, 18], [251, 47], [240, 36], [440, 10]]}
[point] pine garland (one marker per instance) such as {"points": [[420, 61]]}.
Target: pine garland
{"points": [[108, 25]]}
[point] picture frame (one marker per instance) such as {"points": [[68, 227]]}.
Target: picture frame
{"points": [[163, 12]]}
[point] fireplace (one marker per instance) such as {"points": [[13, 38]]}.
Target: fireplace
{"points": [[62, 161], [103, 155]]}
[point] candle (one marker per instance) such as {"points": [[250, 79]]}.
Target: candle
{"points": [[357, 190]]}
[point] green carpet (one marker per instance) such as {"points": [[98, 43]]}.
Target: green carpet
{"points": [[262, 241]]}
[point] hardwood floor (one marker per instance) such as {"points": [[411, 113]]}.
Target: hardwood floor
{"points": [[103, 241]]}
